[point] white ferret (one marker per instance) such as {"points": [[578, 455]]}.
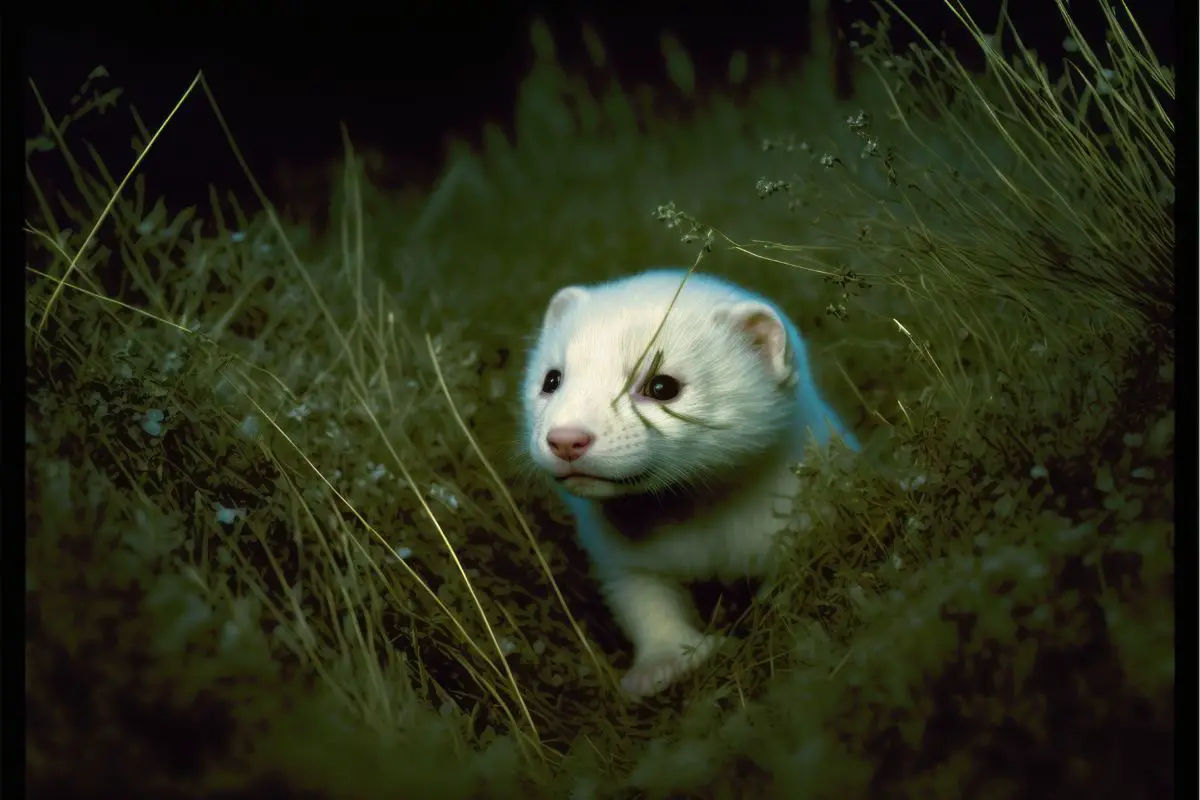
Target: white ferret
{"points": [[677, 466]]}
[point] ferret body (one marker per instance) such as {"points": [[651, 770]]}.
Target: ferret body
{"points": [[675, 461]]}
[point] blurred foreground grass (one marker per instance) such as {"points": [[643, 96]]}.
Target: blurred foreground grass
{"points": [[281, 539]]}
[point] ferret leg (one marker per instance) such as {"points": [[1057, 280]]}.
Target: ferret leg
{"points": [[658, 617]]}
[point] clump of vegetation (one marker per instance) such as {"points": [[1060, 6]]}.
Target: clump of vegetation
{"points": [[280, 538]]}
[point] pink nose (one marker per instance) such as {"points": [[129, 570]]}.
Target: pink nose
{"points": [[568, 443]]}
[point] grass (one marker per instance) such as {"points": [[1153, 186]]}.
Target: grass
{"points": [[281, 536]]}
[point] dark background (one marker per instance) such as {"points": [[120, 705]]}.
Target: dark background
{"points": [[405, 78]]}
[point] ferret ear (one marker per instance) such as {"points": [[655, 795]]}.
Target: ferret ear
{"points": [[767, 333], [562, 300]]}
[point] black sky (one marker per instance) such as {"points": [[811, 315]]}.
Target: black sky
{"points": [[404, 78]]}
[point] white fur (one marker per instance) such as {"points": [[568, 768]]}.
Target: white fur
{"points": [[707, 498]]}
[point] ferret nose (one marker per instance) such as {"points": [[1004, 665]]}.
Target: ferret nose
{"points": [[568, 443]]}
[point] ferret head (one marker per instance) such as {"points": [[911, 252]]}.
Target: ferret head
{"points": [[607, 417]]}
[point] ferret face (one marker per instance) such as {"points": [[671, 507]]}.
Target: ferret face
{"points": [[713, 390]]}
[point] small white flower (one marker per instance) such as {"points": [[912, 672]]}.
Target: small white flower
{"points": [[237, 236], [402, 553], [444, 495], [227, 516], [1038, 471], [250, 426], [300, 412], [172, 363], [152, 422]]}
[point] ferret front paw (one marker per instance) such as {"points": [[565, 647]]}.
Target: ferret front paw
{"points": [[653, 672]]}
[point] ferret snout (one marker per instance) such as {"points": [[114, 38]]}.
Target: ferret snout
{"points": [[569, 443]]}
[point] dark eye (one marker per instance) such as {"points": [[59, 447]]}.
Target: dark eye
{"points": [[662, 388], [552, 381]]}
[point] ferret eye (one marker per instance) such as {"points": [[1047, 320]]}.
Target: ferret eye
{"points": [[551, 382], [662, 388]]}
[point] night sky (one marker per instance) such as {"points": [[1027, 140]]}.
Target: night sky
{"points": [[404, 80]]}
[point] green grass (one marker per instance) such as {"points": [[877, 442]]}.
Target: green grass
{"points": [[236, 429]]}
